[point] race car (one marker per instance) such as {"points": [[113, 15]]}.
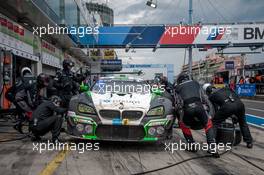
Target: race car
{"points": [[121, 109]]}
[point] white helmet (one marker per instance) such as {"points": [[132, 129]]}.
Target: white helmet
{"points": [[206, 85], [25, 70]]}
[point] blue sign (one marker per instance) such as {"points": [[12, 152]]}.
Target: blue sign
{"points": [[229, 65], [111, 62], [169, 67], [111, 65], [117, 121], [248, 90]]}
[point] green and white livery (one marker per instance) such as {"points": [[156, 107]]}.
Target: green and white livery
{"points": [[121, 109]]}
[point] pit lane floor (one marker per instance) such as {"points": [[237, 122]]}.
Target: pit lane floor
{"points": [[254, 107], [18, 157]]}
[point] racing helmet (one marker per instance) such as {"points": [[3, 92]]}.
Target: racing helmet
{"points": [[183, 77], [67, 64], [208, 88], [164, 80], [25, 71], [43, 80], [157, 80], [56, 100]]}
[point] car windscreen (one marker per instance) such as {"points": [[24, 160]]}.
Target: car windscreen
{"points": [[121, 87]]}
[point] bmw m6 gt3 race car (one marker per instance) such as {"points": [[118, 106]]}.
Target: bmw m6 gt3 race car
{"points": [[120, 109]]}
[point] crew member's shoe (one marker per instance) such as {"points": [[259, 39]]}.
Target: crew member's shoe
{"points": [[169, 136], [249, 145], [55, 140], [213, 151], [214, 154], [18, 127], [35, 138]]}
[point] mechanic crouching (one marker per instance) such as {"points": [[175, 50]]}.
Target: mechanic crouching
{"points": [[189, 103], [47, 117], [227, 103], [27, 94]]}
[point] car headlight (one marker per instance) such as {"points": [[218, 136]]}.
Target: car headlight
{"points": [[80, 127], [86, 109], [160, 130], [156, 111], [151, 131], [88, 129]]}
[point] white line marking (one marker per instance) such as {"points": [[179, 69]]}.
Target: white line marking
{"points": [[255, 116], [255, 125], [254, 109], [255, 101]]}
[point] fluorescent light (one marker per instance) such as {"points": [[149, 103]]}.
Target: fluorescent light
{"points": [[151, 4]]}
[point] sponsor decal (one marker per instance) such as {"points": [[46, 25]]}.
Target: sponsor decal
{"points": [[127, 101], [253, 33], [157, 123], [71, 113], [79, 120], [121, 106], [117, 121], [169, 117], [125, 121], [216, 34], [106, 101]]}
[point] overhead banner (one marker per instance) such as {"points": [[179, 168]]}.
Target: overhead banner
{"points": [[111, 65], [169, 67], [176, 36], [121, 36]]}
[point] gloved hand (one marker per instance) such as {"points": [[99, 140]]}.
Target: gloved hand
{"points": [[67, 85]]}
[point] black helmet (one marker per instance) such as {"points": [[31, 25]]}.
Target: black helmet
{"points": [[164, 80], [157, 79], [183, 77], [56, 100], [43, 80], [67, 64]]}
